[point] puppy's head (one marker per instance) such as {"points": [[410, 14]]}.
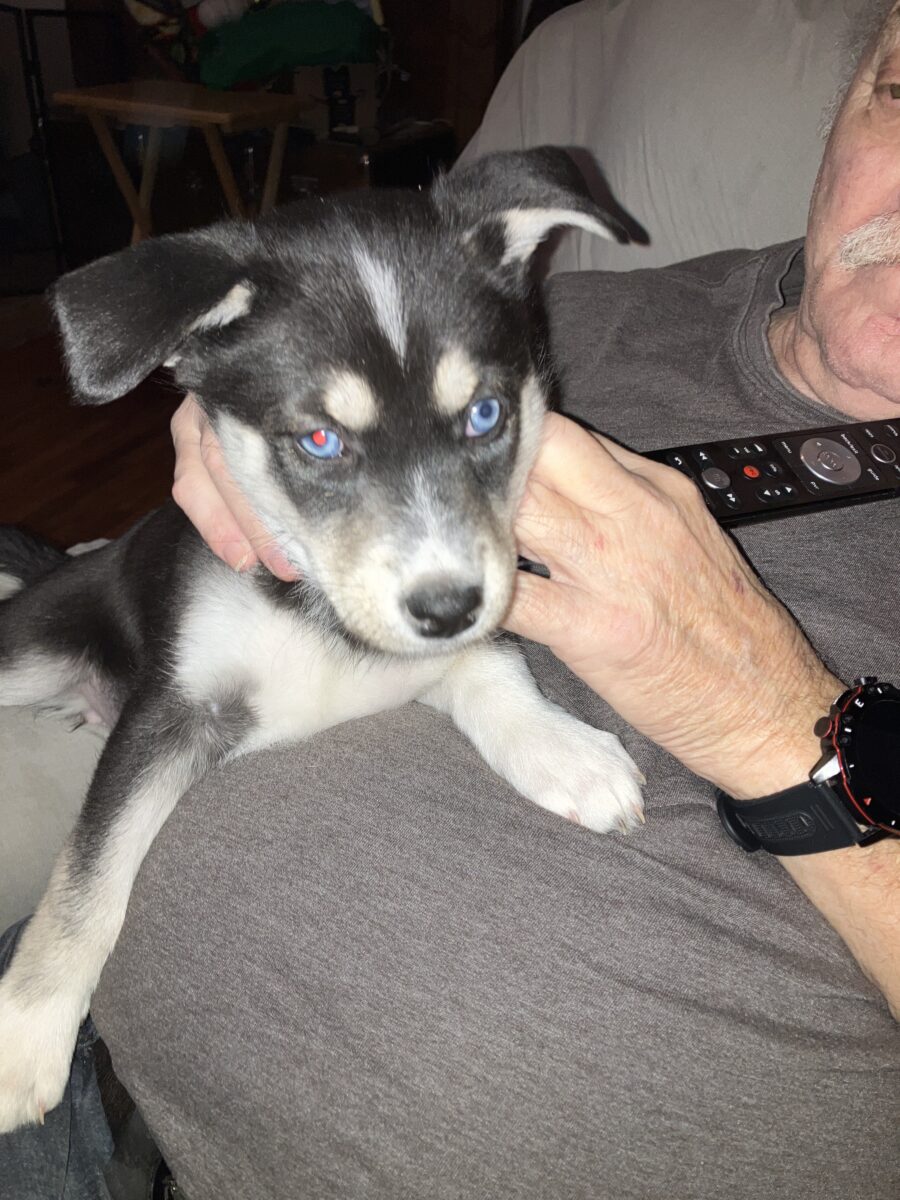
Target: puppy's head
{"points": [[369, 366]]}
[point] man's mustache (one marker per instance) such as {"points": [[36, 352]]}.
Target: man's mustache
{"points": [[877, 243]]}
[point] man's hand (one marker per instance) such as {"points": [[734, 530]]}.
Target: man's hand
{"points": [[210, 498], [652, 605]]}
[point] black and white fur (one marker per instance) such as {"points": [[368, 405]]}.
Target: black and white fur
{"points": [[384, 318]]}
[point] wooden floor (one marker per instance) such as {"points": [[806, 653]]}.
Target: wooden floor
{"points": [[75, 473]]}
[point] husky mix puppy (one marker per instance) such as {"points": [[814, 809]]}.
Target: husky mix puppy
{"points": [[371, 368]]}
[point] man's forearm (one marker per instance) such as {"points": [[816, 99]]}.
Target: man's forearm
{"points": [[857, 890]]}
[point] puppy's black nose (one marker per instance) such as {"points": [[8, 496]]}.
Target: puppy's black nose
{"points": [[441, 611]]}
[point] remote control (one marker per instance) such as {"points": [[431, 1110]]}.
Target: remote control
{"points": [[786, 474]]}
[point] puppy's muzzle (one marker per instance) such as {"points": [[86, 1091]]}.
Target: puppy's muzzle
{"points": [[442, 609]]}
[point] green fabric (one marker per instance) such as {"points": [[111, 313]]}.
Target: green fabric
{"points": [[263, 43]]}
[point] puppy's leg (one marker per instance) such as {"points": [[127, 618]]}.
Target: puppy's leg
{"points": [[29, 671], [547, 754], [37, 665], [161, 744]]}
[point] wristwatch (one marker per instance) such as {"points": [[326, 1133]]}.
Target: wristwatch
{"points": [[852, 796]]}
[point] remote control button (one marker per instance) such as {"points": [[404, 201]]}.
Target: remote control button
{"points": [[891, 430], [714, 478], [674, 459], [752, 472], [745, 450], [829, 460], [731, 499], [771, 467], [783, 491], [882, 453], [702, 456], [870, 433]]}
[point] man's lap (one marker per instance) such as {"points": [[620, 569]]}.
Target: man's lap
{"points": [[363, 966]]}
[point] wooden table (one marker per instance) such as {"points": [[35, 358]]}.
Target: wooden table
{"points": [[162, 104]]}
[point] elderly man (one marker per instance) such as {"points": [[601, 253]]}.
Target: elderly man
{"points": [[421, 986]]}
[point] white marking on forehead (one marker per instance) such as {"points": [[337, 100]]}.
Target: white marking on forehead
{"points": [[350, 400], [383, 291], [455, 379]]}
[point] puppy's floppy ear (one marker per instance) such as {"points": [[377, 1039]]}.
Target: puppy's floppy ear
{"points": [[513, 200], [122, 316]]}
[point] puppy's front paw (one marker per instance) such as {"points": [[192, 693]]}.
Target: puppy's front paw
{"points": [[585, 775], [37, 1039]]}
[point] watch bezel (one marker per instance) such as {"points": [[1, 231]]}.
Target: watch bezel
{"points": [[836, 768]]}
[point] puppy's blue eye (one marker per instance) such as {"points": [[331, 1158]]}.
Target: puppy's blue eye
{"points": [[321, 443], [484, 416]]}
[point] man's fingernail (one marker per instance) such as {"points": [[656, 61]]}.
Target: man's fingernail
{"points": [[279, 565]]}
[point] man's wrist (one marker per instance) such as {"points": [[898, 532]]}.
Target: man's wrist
{"points": [[877, 862], [789, 753]]}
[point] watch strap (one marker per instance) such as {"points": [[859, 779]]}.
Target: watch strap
{"points": [[805, 819]]}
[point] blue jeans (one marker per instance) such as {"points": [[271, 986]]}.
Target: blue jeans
{"points": [[65, 1158]]}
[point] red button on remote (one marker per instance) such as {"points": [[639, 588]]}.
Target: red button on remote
{"points": [[751, 472]]}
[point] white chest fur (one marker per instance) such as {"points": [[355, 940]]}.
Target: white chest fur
{"points": [[296, 679]]}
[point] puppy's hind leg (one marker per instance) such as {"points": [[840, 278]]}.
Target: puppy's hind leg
{"points": [[32, 670], [161, 744], [34, 666]]}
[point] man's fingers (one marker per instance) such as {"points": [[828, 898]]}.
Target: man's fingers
{"points": [[212, 501], [579, 465], [261, 540], [197, 496], [536, 611], [546, 527], [592, 469]]}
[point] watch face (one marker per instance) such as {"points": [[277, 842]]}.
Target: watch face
{"points": [[867, 739]]}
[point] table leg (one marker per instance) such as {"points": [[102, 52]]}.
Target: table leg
{"points": [[148, 175], [273, 170], [139, 214], [223, 170]]}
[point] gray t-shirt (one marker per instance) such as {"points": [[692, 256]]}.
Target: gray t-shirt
{"points": [[364, 967]]}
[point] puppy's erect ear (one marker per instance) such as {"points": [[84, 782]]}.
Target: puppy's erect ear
{"points": [[522, 196], [122, 316]]}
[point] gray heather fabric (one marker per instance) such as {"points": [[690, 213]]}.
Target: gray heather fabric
{"points": [[363, 967]]}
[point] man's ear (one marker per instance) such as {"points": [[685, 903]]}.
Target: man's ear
{"points": [[513, 200], [122, 316]]}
